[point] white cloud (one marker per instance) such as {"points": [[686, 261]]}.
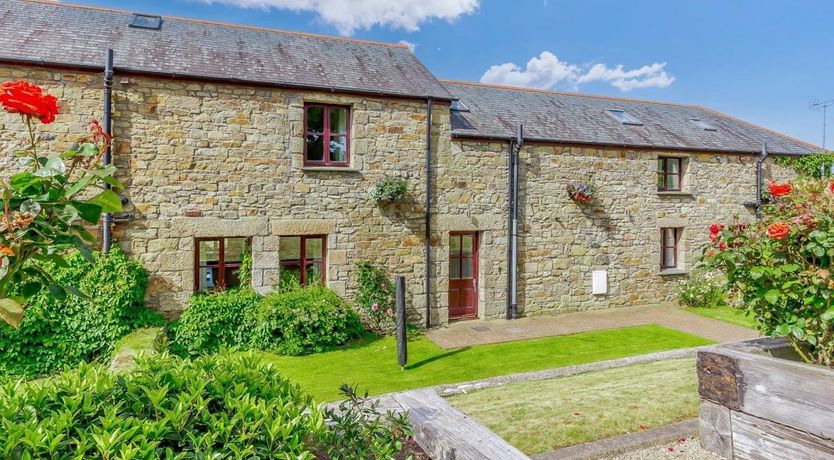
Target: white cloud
{"points": [[407, 43], [547, 71], [349, 15]]}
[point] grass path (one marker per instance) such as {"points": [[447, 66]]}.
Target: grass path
{"points": [[372, 363], [543, 416], [732, 315]]}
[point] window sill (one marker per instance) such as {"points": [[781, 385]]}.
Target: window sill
{"points": [[348, 169], [673, 272], [683, 194]]}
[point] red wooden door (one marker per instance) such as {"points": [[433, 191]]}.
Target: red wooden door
{"points": [[463, 275]]}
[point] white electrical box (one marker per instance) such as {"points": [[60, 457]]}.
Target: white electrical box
{"points": [[599, 282]]}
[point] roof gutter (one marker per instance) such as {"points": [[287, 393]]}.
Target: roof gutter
{"points": [[530, 140], [238, 81]]}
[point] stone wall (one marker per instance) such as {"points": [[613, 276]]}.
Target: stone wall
{"points": [[234, 155], [212, 160], [561, 242]]}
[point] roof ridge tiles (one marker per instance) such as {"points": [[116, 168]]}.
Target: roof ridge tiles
{"points": [[218, 23]]}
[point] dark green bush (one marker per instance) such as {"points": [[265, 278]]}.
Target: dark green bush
{"points": [[220, 406], [59, 332], [213, 321], [306, 320]]}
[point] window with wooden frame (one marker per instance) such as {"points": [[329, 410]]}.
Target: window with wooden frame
{"points": [[669, 174], [669, 246], [302, 260], [326, 135], [217, 261]]}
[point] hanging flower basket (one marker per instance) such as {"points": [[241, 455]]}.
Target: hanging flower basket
{"points": [[581, 192], [389, 190]]}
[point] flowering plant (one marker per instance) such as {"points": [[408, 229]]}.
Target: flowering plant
{"points": [[47, 201], [389, 190], [376, 298], [781, 266], [581, 191]]}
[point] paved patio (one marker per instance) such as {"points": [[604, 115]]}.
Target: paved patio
{"points": [[477, 332]]}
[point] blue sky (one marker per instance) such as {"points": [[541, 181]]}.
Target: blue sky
{"points": [[762, 61]]}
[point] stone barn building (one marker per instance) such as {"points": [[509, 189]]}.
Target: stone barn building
{"points": [[234, 138]]}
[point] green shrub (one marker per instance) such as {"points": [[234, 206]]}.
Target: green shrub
{"points": [[376, 297], [212, 322], [220, 406], [58, 332], [215, 406], [703, 289], [782, 265], [306, 320]]}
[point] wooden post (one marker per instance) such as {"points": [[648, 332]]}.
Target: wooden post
{"points": [[402, 340]]}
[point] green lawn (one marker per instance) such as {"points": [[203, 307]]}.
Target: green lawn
{"points": [[546, 415], [725, 313], [372, 363]]}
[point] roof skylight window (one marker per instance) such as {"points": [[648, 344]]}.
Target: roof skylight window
{"points": [[703, 124], [146, 21], [624, 117], [458, 106]]}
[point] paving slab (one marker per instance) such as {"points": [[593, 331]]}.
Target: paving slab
{"points": [[479, 332]]}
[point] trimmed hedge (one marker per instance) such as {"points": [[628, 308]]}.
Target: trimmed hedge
{"points": [[220, 406], [304, 320], [213, 322], [56, 333]]}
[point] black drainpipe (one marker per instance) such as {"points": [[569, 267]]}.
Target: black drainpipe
{"points": [[429, 102], [512, 221], [108, 96], [760, 180]]}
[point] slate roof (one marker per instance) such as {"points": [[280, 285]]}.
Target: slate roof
{"points": [[550, 116], [78, 36]]}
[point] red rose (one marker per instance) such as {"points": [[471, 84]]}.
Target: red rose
{"points": [[713, 236], [831, 187], [778, 230], [28, 99], [715, 228], [777, 190], [722, 246]]}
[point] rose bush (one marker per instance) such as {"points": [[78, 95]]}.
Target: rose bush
{"points": [[47, 201], [781, 266]]}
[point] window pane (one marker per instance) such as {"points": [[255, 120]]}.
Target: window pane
{"points": [[209, 252], [669, 257], [454, 245], [315, 119], [467, 268], [674, 165], [315, 274], [668, 237], [315, 147], [233, 250], [454, 269], [673, 182], [230, 274], [209, 277], [468, 245], [289, 248], [290, 276], [338, 148], [315, 248], [338, 121]]}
